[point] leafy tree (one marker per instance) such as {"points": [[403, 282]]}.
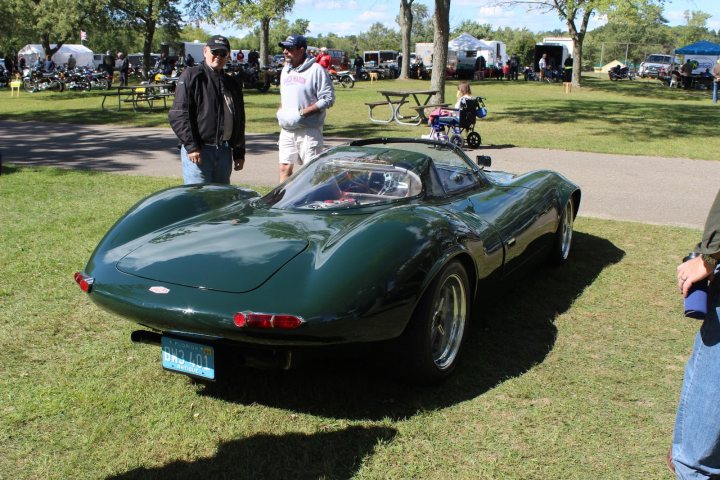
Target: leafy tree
{"points": [[260, 12], [475, 29], [47, 21], [422, 28], [145, 16], [695, 28], [379, 37], [577, 14]]}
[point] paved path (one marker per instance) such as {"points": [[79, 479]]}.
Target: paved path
{"points": [[670, 191]]}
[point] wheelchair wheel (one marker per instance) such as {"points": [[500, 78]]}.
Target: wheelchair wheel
{"points": [[474, 140], [457, 140]]}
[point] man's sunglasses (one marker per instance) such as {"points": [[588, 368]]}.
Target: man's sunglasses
{"points": [[219, 53]]}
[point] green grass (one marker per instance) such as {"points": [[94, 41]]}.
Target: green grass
{"points": [[576, 374], [637, 118]]}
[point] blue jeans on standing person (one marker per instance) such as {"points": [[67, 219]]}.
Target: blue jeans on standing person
{"points": [[216, 165], [696, 442], [715, 89]]}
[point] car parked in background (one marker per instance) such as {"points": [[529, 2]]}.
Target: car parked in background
{"points": [[655, 63]]}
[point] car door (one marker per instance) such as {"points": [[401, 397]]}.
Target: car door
{"points": [[524, 217]]}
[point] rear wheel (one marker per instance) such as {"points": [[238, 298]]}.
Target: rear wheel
{"points": [[436, 331], [347, 82], [474, 140], [28, 85], [563, 235]]}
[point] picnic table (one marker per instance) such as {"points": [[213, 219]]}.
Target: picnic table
{"points": [[395, 100], [139, 96]]}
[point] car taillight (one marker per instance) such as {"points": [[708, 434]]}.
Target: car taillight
{"points": [[84, 281], [266, 320]]}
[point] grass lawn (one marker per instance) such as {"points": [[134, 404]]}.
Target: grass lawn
{"points": [[576, 375], [638, 118]]}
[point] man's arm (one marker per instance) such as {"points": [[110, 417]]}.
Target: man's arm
{"points": [[180, 114]]}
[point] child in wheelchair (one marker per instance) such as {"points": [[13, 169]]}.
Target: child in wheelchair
{"points": [[449, 124]]}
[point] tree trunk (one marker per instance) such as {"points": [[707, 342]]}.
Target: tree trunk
{"points": [[406, 21], [441, 37], [264, 40]]}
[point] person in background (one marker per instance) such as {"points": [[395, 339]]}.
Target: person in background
{"points": [[123, 68], [306, 92], [254, 59], [49, 65], [208, 117], [109, 67], [542, 66], [686, 74], [189, 60], [323, 58], [21, 64], [716, 80], [71, 63], [359, 64], [240, 57], [695, 451]]}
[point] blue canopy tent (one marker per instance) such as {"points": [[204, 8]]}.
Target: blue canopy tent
{"points": [[703, 47]]}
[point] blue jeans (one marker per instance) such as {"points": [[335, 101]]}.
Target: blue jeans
{"points": [[696, 442], [216, 165], [715, 89]]}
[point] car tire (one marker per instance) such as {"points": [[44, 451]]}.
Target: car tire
{"points": [[474, 140], [563, 235], [434, 337]]}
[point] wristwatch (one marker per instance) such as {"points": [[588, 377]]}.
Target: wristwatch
{"points": [[301, 113], [710, 261]]}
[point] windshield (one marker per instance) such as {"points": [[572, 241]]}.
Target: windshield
{"points": [[658, 59], [348, 177]]}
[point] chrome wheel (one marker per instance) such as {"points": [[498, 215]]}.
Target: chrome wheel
{"points": [[448, 321], [563, 236], [433, 340]]}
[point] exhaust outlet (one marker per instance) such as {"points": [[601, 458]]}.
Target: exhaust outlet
{"points": [[143, 336]]}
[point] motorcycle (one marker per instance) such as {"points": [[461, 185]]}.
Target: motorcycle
{"points": [[36, 81], [78, 79], [253, 77], [344, 78], [619, 73], [4, 76]]}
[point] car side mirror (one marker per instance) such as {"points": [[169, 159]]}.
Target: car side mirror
{"points": [[483, 160]]}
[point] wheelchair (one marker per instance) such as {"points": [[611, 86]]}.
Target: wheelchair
{"points": [[450, 128]]}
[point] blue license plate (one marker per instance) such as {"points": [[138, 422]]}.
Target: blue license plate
{"points": [[188, 357]]}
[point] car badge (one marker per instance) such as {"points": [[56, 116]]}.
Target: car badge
{"points": [[162, 290]]}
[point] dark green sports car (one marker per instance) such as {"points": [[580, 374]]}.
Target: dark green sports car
{"points": [[384, 239]]}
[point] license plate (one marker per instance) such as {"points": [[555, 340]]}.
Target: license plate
{"points": [[188, 357]]}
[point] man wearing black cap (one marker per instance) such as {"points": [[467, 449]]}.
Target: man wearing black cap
{"points": [[306, 92], [208, 116]]}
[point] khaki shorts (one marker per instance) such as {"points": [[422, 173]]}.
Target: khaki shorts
{"points": [[300, 146]]}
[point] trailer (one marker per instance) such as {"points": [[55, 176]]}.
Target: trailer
{"points": [[556, 55]]}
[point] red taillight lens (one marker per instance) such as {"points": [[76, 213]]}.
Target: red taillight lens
{"points": [[266, 320], [84, 282]]}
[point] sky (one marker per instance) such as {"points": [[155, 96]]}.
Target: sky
{"points": [[348, 17]]}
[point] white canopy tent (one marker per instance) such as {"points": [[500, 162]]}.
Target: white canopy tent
{"points": [[465, 41], [83, 55]]}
